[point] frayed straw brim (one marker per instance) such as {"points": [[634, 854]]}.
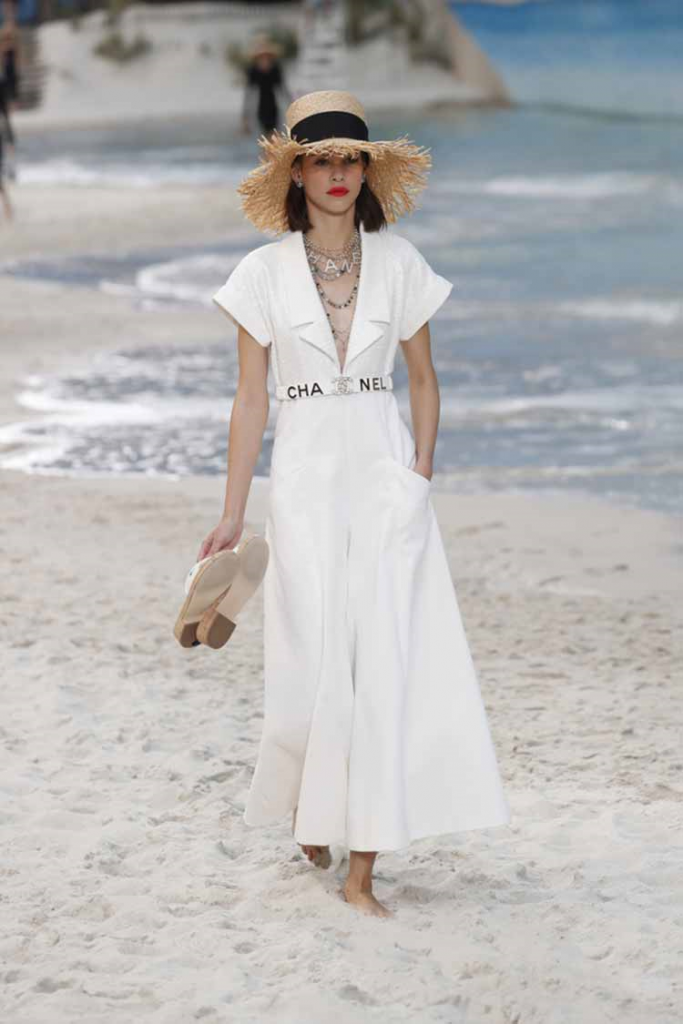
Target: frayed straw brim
{"points": [[396, 174], [271, 49]]}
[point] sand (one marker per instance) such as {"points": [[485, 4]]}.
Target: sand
{"points": [[132, 889]]}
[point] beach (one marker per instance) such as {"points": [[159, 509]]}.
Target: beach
{"points": [[132, 888]]}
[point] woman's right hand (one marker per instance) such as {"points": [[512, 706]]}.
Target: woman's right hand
{"points": [[225, 535]]}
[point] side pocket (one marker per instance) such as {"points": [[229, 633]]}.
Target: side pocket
{"points": [[416, 477]]}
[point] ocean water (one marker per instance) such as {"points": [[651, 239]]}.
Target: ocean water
{"points": [[621, 57], [559, 353]]}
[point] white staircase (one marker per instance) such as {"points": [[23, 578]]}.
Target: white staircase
{"points": [[323, 61]]}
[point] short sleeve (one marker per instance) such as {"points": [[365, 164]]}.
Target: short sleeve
{"points": [[244, 299], [423, 290]]}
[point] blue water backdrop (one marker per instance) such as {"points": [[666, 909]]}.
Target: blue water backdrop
{"points": [[616, 56]]}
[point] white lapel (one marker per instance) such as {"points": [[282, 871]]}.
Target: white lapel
{"points": [[306, 312]]}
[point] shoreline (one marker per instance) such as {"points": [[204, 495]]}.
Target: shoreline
{"points": [[640, 553], [56, 342]]}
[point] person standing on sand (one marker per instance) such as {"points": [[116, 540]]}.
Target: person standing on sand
{"points": [[264, 81], [9, 56], [375, 733], [5, 130]]}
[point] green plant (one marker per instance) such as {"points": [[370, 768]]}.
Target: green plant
{"points": [[114, 47], [431, 53], [367, 19]]}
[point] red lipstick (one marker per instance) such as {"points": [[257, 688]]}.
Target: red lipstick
{"points": [[338, 190]]}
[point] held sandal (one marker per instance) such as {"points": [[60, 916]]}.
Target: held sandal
{"points": [[217, 623], [205, 583]]}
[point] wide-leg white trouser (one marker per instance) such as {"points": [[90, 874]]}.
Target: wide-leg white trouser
{"points": [[374, 726]]}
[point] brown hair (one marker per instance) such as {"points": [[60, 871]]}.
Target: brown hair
{"points": [[368, 207]]}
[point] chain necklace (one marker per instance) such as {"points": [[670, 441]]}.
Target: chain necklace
{"points": [[350, 256], [329, 264], [338, 305], [340, 334]]}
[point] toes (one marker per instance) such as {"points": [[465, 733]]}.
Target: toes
{"points": [[317, 854], [314, 853]]}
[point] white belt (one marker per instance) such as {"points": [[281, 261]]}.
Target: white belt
{"points": [[340, 385]]}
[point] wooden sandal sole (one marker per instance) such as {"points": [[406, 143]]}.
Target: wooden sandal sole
{"points": [[208, 587], [217, 624]]}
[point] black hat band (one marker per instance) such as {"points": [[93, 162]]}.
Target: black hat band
{"points": [[329, 125]]}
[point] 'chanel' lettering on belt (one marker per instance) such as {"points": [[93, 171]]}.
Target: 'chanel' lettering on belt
{"points": [[372, 384], [307, 390], [342, 384], [303, 390]]}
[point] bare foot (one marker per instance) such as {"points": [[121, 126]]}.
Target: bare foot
{"points": [[365, 901], [318, 855]]}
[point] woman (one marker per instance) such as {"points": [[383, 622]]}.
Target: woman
{"points": [[374, 731], [264, 79]]}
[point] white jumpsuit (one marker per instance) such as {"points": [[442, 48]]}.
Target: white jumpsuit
{"points": [[374, 727]]}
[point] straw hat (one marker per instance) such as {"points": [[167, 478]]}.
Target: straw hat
{"points": [[331, 121], [262, 44]]}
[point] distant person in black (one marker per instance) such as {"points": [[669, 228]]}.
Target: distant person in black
{"points": [[264, 78], [5, 130], [9, 57]]}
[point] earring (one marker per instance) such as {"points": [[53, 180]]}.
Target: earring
{"points": [[299, 184], [362, 178]]}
